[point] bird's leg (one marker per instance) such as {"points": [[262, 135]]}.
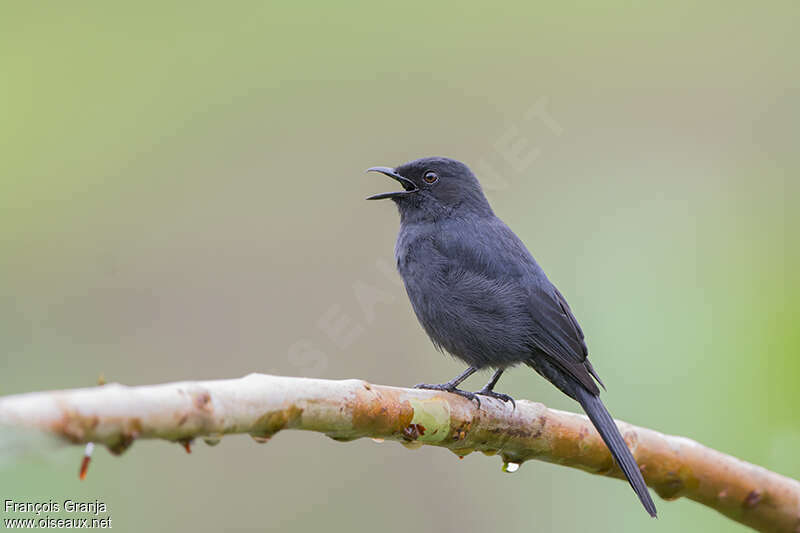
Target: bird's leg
{"points": [[488, 389], [452, 386]]}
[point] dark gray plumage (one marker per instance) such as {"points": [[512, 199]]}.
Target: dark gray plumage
{"points": [[482, 297]]}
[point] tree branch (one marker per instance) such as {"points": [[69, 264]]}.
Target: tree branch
{"points": [[261, 405]]}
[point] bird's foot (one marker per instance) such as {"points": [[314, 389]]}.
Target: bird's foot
{"points": [[498, 396], [449, 387]]}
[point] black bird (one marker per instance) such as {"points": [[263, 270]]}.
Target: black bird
{"points": [[483, 298]]}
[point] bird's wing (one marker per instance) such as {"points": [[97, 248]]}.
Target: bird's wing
{"points": [[558, 335], [490, 249]]}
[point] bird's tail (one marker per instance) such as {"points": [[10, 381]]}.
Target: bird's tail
{"points": [[616, 444]]}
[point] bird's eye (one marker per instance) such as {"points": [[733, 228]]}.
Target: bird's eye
{"points": [[430, 177]]}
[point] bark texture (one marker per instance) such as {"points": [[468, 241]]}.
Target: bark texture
{"points": [[262, 405]]}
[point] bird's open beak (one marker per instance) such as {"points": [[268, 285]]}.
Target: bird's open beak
{"points": [[408, 185]]}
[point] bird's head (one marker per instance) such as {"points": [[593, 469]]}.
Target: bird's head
{"points": [[434, 188]]}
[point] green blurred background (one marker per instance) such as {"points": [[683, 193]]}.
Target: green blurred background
{"points": [[181, 197]]}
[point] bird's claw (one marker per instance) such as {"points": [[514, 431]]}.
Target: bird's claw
{"points": [[447, 387], [498, 396]]}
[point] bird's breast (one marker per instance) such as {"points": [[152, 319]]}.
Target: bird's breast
{"points": [[468, 312]]}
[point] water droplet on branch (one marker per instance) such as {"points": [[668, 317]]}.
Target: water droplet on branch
{"points": [[212, 440]]}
